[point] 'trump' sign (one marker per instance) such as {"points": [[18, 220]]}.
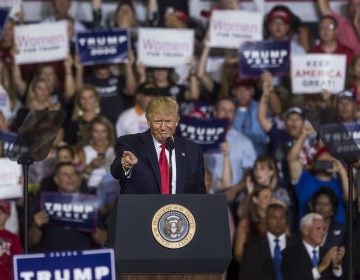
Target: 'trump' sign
{"points": [[256, 57], [76, 265], [229, 29], [209, 134], [110, 46], [72, 210]]}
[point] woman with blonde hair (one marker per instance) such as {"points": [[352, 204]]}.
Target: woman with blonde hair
{"points": [[97, 154]]}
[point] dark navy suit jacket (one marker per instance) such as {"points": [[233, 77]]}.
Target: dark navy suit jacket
{"points": [[145, 175]]}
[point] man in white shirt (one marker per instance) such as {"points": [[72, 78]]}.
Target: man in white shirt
{"points": [[307, 260], [133, 120]]}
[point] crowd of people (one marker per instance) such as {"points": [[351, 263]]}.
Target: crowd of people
{"points": [[287, 194]]}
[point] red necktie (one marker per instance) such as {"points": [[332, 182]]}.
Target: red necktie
{"points": [[164, 171]]}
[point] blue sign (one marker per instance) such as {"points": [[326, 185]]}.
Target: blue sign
{"points": [[73, 210], [257, 57], [4, 15], [343, 139], [8, 140], [209, 134], [74, 265], [96, 47]]}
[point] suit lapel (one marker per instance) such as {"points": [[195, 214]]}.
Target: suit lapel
{"points": [[150, 152], [305, 258], [180, 157], [267, 255]]}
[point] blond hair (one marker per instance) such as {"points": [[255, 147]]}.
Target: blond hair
{"points": [[163, 104]]}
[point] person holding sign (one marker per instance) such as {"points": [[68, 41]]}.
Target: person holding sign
{"points": [[68, 181], [237, 151], [328, 29], [157, 161], [282, 24]]}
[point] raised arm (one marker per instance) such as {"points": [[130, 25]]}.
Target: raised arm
{"points": [[201, 72], [324, 7], [293, 157], [130, 79], [267, 87]]}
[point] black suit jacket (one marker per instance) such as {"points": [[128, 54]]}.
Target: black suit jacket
{"points": [[296, 264], [257, 262], [145, 175]]}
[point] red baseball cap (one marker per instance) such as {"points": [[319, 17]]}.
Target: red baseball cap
{"points": [[281, 14]]}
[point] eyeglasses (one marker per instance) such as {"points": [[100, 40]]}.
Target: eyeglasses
{"points": [[331, 26], [163, 122]]}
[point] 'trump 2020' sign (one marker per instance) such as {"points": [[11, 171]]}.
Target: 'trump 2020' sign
{"points": [[74, 265]]}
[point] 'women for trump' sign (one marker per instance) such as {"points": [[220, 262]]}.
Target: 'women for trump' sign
{"points": [[229, 29], [314, 73], [165, 47], [42, 42]]}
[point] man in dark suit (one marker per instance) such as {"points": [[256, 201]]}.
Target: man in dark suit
{"points": [[306, 260], [262, 257], [142, 162]]}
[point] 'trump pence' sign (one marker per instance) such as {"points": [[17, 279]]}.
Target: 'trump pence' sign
{"points": [[313, 73], [229, 29], [165, 47], [43, 42], [75, 265]]}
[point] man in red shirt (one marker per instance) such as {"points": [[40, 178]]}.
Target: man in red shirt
{"points": [[328, 29]]}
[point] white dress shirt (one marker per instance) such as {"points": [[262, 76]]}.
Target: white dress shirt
{"points": [[271, 239], [173, 163], [315, 271]]}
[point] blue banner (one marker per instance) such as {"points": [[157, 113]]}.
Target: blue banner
{"points": [[257, 57], [97, 47], [209, 134], [73, 210], [4, 15], [343, 139], [75, 265], [7, 139]]}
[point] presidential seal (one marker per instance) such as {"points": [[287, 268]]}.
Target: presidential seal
{"points": [[173, 226]]}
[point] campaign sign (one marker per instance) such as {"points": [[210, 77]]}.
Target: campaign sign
{"points": [[209, 134], [41, 42], [313, 73], [74, 265], [13, 5], [165, 47], [10, 173], [4, 15], [343, 139], [109, 46], [7, 140], [257, 57], [73, 210], [229, 29]]}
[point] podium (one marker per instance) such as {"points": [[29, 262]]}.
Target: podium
{"points": [[170, 236]]}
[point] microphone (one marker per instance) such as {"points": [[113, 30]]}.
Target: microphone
{"points": [[169, 145]]}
